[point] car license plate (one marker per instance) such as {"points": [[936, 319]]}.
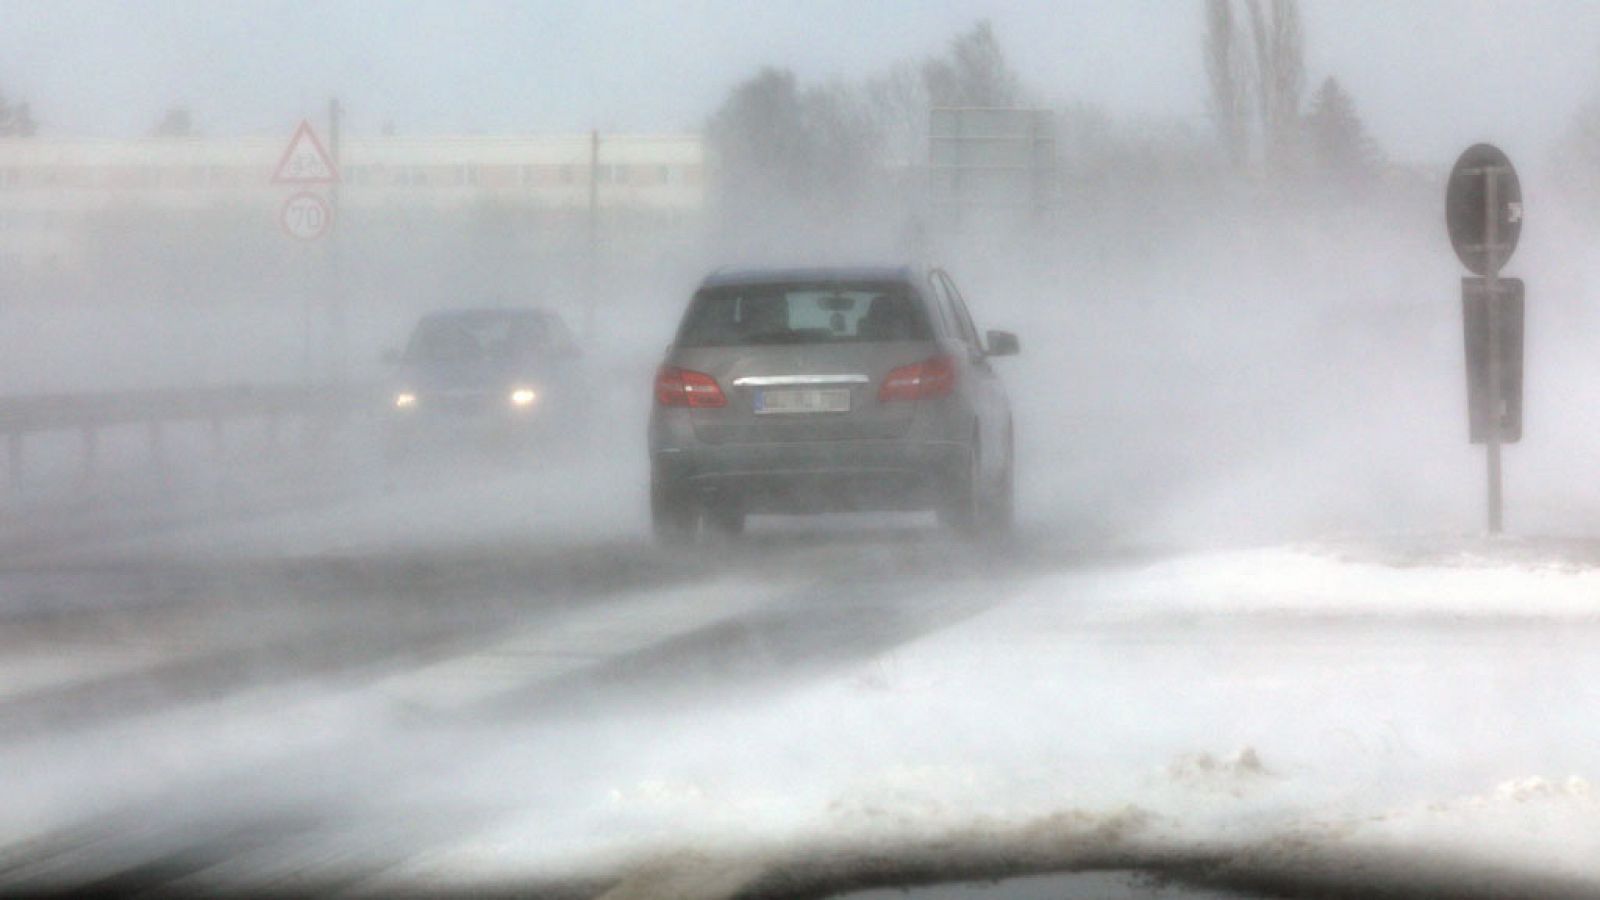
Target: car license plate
{"points": [[807, 401]]}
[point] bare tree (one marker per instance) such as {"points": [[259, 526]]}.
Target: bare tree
{"points": [[1577, 156], [898, 101], [754, 132], [784, 150], [843, 142], [1280, 77], [973, 72], [1338, 141], [1228, 72], [779, 147]]}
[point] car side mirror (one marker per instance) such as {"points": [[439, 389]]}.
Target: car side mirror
{"points": [[1002, 343], [390, 357]]}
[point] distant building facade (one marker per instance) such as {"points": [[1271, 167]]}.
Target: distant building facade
{"points": [[51, 190]]}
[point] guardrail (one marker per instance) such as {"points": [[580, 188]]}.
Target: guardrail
{"points": [[90, 414]]}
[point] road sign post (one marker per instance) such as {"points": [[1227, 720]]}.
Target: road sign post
{"points": [[1509, 318], [1483, 212], [1496, 402], [309, 215]]}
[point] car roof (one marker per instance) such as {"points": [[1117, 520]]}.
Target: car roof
{"points": [[490, 312], [734, 276]]}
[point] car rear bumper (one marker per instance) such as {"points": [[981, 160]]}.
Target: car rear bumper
{"points": [[434, 427], [818, 476]]}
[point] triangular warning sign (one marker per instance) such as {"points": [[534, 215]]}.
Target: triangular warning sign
{"points": [[305, 161]]}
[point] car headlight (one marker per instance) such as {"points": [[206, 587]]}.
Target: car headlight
{"points": [[523, 397], [405, 400]]}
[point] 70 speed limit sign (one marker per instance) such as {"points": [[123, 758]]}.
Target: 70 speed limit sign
{"points": [[306, 216]]}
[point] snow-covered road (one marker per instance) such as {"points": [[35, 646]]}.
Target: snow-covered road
{"points": [[562, 711]]}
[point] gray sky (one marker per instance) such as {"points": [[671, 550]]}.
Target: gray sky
{"points": [[1430, 76]]}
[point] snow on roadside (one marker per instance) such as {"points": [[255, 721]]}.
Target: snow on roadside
{"points": [[1533, 823], [1206, 699], [1327, 581]]}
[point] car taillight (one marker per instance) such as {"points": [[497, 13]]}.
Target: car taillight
{"points": [[684, 387], [935, 377]]}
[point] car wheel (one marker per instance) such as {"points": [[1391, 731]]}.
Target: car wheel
{"points": [[1001, 512], [960, 510], [674, 515]]}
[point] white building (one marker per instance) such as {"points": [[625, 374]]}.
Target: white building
{"points": [[49, 188]]}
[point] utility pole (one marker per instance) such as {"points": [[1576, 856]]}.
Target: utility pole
{"points": [[592, 266]]}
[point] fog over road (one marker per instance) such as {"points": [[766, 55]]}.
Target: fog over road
{"points": [[304, 671], [193, 705], [188, 710], [360, 422]]}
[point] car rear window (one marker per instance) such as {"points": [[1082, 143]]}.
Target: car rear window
{"points": [[787, 314]]}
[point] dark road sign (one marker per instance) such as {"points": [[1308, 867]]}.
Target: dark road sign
{"points": [[1475, 310], [1466, 208]]}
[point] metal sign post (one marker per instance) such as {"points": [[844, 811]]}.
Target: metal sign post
{"points": [[1483, 211], [1491, 193], [1509, 314], [591, 263]]}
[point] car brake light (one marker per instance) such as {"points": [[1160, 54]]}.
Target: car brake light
{"points": [[684, 387], [934, 377]]}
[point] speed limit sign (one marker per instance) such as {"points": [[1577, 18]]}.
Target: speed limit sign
{"points": [[306, 216]]}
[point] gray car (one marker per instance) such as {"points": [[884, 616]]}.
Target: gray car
{"points": [[480, 376], [830, 389]]}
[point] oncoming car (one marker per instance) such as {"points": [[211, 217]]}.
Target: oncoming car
{"points": [[476, 375], [830, 389]]}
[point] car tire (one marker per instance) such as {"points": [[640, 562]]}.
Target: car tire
{"points": [[1002, 503], [674, 514], [960, 511]]}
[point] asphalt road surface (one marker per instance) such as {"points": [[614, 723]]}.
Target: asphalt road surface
{"points": [[164, 719], [528, 710]]}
